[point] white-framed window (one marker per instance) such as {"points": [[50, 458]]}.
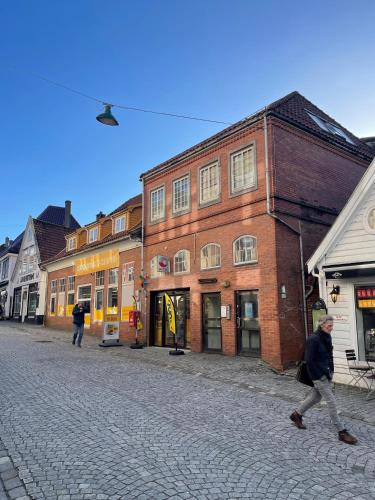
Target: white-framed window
{"points": [[93, 234], [154, 273], [52, 307], [157, 204], [53, 286], [99, 278], [71, 244], [71, 283], [181, 194], [128, 272], [245, 250], [210, 256], [112, 297], [209, 183], [62, 285], [84, 296], [243, 175], [70, 301], [113, 276], [5, 269], [120, 224], [181, 262]]}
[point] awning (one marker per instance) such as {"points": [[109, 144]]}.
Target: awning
{"points": [[350, 271]]}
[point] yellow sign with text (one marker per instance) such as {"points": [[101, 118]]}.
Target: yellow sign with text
{"points": [[98, 314], [98, 262], [125, 312], [171, 316]]}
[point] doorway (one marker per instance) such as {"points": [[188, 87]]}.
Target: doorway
{"points": [[247, 320], [161, 336], [211, 321]]}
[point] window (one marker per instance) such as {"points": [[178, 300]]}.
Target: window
{"points": [[112, 297], [182, 262], [70, 298], [30, 234], [62, 285], [113, 277], [84, 295], [154, 268], [245, 250], [5, 269], [181, 194], [53, 305], [329, 127], [93, 234], [209, 187], [120, 224], [31, 250], [71, 244], [243, 170], [210, 256], [71, 283], [157, 204], [128, 272], [53, 286], [99, 278]]}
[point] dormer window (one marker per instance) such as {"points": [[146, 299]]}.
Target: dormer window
{"points": [[93, 234], [120, 224], [329, 127], [71, 244]]}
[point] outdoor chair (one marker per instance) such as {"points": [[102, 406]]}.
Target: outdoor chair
{"points": [[359, 370]]}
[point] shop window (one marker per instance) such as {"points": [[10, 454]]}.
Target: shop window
{"points": [[182, 262], [210, 256], [243, 175], [181, 194], [84, 296], [209, 184], [128, 272], [120, 224], [70, 299], [245, 250], [112, 297], [113, 277], [99, 278]]}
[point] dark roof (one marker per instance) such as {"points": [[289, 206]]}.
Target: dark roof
{"points": [[136, 200], [50, 238], [14, 247], [56, 215], [290, 108], [135, 232]]}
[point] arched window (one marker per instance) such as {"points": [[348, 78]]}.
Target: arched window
{"points": [[182, 262], [245, 250], [210, 256]]}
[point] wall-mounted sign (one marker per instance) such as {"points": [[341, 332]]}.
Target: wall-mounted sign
{"points": [[27, 277], [203, 281], [365, 297], [98, 262], [162, 264]]}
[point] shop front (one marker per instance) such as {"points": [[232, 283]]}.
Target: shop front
{"points": [[160, 334], [365, 319]]}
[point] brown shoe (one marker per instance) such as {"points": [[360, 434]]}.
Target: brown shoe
{"points": [[347, 438], [296, 418]]}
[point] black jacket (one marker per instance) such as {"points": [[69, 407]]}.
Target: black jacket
{"points": [[78, 316], [319, 355]]}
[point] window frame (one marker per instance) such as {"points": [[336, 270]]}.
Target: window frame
{"points": [[114, 283], [71, 280], [53, 286], [215, 162], [62, 285], [90, 232], [99, 279], [252, 261], [201, 254], [119, 218], [239, 191], [125, 272], [69, 246], [187, 253], [160, 218], [184, 210]]}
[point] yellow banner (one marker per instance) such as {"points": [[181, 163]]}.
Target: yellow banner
{"points": [[170, 314], [69, 309], [366, 303], [125, 312], [98, 314], [87, 320], [97, 262], [60, 310], [112, 310]]}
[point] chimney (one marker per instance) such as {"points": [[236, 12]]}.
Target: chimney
{"points": [[7, 242], [68, 207], [100, 215]]}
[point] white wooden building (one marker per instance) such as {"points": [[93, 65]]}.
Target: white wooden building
{"points": [[346, 259]]}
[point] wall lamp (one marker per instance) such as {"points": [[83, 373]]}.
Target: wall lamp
{"points": [[335, 293]]}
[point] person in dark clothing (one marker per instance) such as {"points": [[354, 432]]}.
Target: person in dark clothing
{"points": [[78, 323], [319, 362]]}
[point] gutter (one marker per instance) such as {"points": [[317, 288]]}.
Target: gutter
{"points": [[271, 214]]}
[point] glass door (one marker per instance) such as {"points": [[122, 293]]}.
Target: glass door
{"points": [[248, 332], [158, 320], [162, 336], [211, 321], [33, 301]]}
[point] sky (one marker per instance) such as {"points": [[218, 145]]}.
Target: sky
{"points": [[216, 59]]}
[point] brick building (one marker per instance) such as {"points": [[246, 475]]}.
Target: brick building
{"points": [[229, 223], [100, 267]]}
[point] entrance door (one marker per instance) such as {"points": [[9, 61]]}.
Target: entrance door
{"points": [[248, 333], [161, 333], [211, 321], [24, 305]]}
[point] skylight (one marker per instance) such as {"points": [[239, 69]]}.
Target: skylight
{"points": [[329, 127]]}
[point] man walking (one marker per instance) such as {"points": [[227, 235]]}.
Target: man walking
{"points": [[319, 362], [78, 323]]}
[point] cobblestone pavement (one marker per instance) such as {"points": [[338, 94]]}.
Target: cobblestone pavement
{"points": [[101, 424]]}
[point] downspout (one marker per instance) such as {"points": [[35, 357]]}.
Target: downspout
{"points": [[142, 262], [298, 233]]}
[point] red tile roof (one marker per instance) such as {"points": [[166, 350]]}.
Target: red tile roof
{"points": [[50, 238]]}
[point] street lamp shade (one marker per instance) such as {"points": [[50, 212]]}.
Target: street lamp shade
{"points": [[107, 117]]}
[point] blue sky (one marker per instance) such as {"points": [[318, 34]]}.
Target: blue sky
{"points": [[217, 59]]}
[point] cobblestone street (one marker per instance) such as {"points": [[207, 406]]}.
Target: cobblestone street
{"points": [[101, 424]]}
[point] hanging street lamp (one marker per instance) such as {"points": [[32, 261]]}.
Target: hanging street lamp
{"points": [[107, 117]]}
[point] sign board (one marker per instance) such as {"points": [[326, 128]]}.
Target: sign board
{"points": [[365, 297], [98, 262], [111, 330], [162, 264], [170, 314]]}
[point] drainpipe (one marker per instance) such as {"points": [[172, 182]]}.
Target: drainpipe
{"points": [[298, 233], [142, 261]]}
